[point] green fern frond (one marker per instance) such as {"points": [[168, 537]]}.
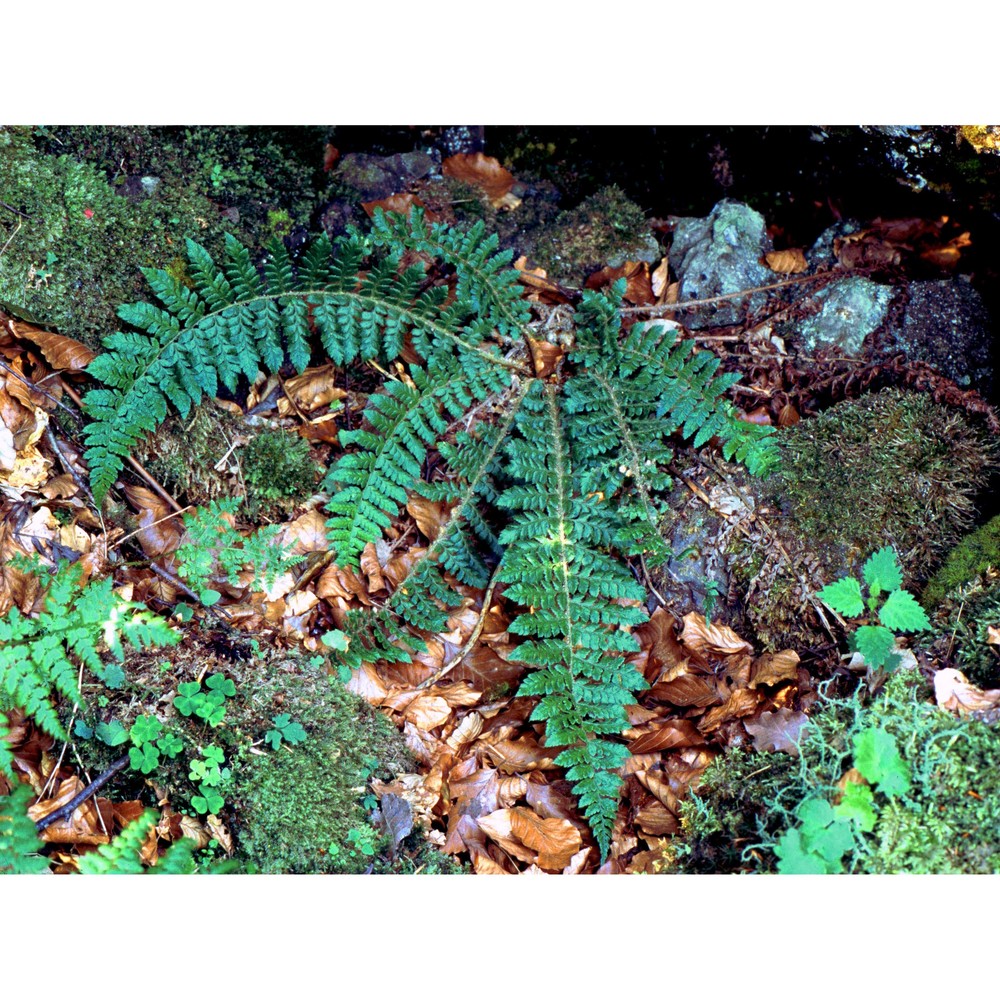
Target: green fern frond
{"points": [[19, 841], [554, 565]]}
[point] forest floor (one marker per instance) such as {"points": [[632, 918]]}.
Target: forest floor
{"points": [[790, 721]]}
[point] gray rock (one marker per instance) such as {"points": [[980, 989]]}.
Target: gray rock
{"points": [[947, 325], [852, 308], [720, 255], [376, 177]]}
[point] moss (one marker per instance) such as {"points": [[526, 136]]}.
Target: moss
{"points": [[973, 555], [295, 807], [962, 622], [948, 822], [890, 468], [279, 472], [78, 256], [605, 228]]}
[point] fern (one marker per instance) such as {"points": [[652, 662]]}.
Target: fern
{"points": [[550, 481], [40, 658], [19, 841]]}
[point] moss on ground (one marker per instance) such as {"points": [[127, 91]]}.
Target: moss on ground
{"points": [[974, 555], [279, 473], [947, 823]]}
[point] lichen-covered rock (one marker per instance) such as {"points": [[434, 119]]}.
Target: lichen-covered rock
{"points": [[720, 255], [947, 325], [851, 310]]}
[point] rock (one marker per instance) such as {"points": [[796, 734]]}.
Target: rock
{"points": [[852, 308], [720, 255], [375, 177], [947, 325]]}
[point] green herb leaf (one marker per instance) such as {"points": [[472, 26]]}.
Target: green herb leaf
{"points": [[902, 613], [796, 859], [856, 804], [113, 733], [844, 596], [875, 643], [877, 757], [882, 571]]}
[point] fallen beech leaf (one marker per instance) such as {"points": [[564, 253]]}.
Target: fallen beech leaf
{"points": [[314, 388], [992, 635], [366, 683], [578, 862], [741, 702], [638, 287], [221, 833], [954, 693], [660, 278], [401, 203], [484, 172], [786, 261], [778, 730], [555, 840], [673, 733], [544, 356], [371, 568], [62, 353], [711, 640], [430, 515], [306, 533], [536, 278], [522, 755], [788, 416], [775, 668], [466, 731]]}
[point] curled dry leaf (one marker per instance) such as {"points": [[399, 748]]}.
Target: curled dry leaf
{"points": [[711, 641], [954, 693], [314, 388], [63, 353], [401, 203], [740, 703], [671, 734], [484, 172], [544, 356], [786, 261], [430, 515], [775, 668], [638, 286], [396, 818]]}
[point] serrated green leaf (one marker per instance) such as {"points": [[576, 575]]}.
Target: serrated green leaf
{"points": [[796, 859], [877, 757], [875, 644], [902, 613], [844, 596], [882, 571], [814, 815], [856, 805]]}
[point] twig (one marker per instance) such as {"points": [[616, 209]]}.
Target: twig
{"points": [[181, 585], [35, 387], [16, 211], [96, 785], [743, 293], [139, 531], [473, 639]]}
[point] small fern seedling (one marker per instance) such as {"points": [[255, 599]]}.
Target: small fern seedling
{"points": [[899, 612]]}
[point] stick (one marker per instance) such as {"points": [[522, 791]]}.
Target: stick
{"points": [[98, 783]]}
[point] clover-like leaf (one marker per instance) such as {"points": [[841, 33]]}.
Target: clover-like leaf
{"points": [[877, 757], [145, 729], [336, 640], [144, 758], [209, 801], [844, 596], [222, 684], [875, 643], [882, 571], [170, 744], [902, 613], [113, 733]]}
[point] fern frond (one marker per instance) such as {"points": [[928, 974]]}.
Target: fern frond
{"points": [[554, 565], [19, 840]]}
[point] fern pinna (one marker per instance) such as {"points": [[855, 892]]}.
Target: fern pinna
{"points": [[550, 479]]}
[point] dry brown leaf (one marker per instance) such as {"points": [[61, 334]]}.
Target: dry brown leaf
{"points": [[741, 702], [555, 840], [466, 731], [401, 203], [481, 171], [786, 261], [788, 416], [659, 280], [306, 533], [62, 353], [954, 693], [992, 635], [521, 755], [543, 289], [578, 862], [371, 568], [430, 515], [638, 286], [343, 582], [366, 683], [711, 640], [671, 734], [544, 356], [314, 388], [775, 668], [778, 730]]}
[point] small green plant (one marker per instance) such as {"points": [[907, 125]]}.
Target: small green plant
{"points": [[827, 832], [19, 842], [284, 729], [362, 840], [210, 773], [900, 611], [209, 705], [40, 658], [214, 550]]}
